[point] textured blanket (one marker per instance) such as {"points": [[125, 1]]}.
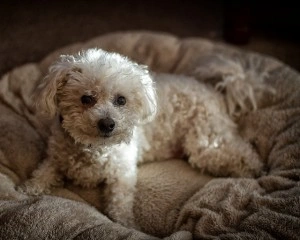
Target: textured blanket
{"points": [[173, 201]]}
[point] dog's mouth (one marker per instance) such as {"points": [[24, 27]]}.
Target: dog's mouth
{"points": [[108, 139], [106, 135]]}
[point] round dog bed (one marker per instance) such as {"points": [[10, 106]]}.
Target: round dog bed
{"points": [[173, 201]]}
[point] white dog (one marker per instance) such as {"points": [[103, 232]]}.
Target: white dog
{"points": [[110, 114]]}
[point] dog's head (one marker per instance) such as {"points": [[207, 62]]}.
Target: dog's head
{"points": [[100, 96]]}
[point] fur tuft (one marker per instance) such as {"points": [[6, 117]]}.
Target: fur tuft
{"points": [[45, 93], [239, 85], [149, 109]]}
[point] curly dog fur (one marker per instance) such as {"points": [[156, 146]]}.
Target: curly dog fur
{"points": [[109, 114]]}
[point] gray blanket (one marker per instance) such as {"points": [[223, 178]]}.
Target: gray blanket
{"points": [[173, 201]]}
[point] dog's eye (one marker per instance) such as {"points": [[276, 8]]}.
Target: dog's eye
{"points": [[120, 101], [87, 100]]}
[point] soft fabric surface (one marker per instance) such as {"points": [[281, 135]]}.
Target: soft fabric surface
{"points": [[173, 200]]}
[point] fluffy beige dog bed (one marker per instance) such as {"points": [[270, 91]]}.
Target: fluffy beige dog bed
{"points": [[173, 200]]}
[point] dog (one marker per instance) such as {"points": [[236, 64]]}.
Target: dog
{"points": [[111, 114]]}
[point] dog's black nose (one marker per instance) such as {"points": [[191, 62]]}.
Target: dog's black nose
{"points": [[106, 125]]}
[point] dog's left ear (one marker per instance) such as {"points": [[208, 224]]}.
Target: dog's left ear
{"points": [[45, 94], [149, 100]]}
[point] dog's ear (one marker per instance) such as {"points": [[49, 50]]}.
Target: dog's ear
{"points": [[149, 100], [45, 95]]}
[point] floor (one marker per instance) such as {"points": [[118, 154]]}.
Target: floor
{"points": [[31, 29]]}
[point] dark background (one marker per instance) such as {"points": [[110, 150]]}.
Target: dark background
{"points": [[31, 29]]}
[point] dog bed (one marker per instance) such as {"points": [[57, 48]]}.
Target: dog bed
{"points": [[173, 201]]}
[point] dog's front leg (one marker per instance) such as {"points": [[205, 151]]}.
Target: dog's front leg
{"points": [[45, 177], [120, 197]]}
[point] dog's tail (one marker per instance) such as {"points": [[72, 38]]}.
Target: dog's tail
{"points": [[242, 86]]}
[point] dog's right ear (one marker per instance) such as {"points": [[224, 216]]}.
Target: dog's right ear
{"points": [[45, 95]]}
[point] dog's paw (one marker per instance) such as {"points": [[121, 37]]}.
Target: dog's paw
{"points": [[122, 214], [29, 188], [127, 220], [251, 166]]}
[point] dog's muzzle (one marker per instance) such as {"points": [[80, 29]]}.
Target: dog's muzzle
{"points": [[106, 125]]}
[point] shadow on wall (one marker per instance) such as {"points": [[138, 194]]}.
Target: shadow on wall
{"points": [[31, 29]]}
